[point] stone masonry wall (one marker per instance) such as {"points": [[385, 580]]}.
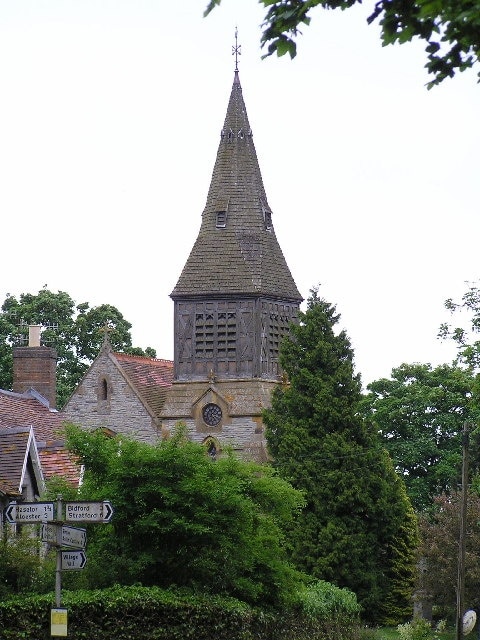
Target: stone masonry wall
{"points": [[104, 399]]}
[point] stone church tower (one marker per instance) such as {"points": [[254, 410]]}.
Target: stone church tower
{"points": [[233, 303]]}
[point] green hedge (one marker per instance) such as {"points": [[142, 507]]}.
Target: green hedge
{"points": [[141, 613]]}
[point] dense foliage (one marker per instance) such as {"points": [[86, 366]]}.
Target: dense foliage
{"points": [[358, 529], [420, 413], [439, 552], [74, 330], [184, 519], [22, 569], [141, 613], [450, 28]]}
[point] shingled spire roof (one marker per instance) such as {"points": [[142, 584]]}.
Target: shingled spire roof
{"points": [[236, 251]]}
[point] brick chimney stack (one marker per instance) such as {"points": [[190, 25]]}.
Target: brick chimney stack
{"points": [[35, 367]]}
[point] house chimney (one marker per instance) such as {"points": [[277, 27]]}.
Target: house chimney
{"points": [[35, 367], [34, 335]]}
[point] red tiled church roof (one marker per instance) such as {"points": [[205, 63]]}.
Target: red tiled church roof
{"points": [[151, 377]]}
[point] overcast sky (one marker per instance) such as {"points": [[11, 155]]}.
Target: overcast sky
{"points": [[110, 117]]}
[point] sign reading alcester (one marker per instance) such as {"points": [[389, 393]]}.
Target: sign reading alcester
{"points": [[88, 511], [30, 512]]}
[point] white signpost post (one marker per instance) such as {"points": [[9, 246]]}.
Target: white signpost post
{"points": [[58, 534]]}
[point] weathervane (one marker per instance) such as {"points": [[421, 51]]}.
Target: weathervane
{"points": [[236, 50]]}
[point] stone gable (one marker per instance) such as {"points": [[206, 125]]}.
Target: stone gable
{"points": [[107, 399]]}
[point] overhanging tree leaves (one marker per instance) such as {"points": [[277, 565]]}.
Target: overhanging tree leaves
{"points": [[419, 414], [450, 28], [75, 331], [465, 336], [183, 519], [358, 529]]}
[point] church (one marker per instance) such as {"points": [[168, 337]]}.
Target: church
{"points": [[233, 303]]}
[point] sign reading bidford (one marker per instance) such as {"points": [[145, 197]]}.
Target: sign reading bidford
{"points": [[88, 511]]}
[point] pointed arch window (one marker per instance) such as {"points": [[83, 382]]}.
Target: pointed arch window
{"points": [[104, 394], [212, 446], [103, 390]]}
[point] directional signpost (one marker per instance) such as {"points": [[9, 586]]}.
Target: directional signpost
{"points": [[58, 534]]}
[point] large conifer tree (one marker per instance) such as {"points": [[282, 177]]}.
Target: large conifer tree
{"points": [[358, 529]]}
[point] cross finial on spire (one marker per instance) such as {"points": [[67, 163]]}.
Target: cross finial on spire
{"points": [[236, 50], [106, 329]]}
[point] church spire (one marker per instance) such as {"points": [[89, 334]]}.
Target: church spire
{"points": [[236, 251]]}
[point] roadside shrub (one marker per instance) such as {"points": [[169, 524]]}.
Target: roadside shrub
{"points": [[324, 600], [150, 613], [417, 629], [22, 569]]}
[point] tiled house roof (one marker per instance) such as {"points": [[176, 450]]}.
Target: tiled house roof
{"points": [[236, 251], [20, 467], [30, 410], [26, 409], [8, 490], [56, 461], [152, 378]]}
